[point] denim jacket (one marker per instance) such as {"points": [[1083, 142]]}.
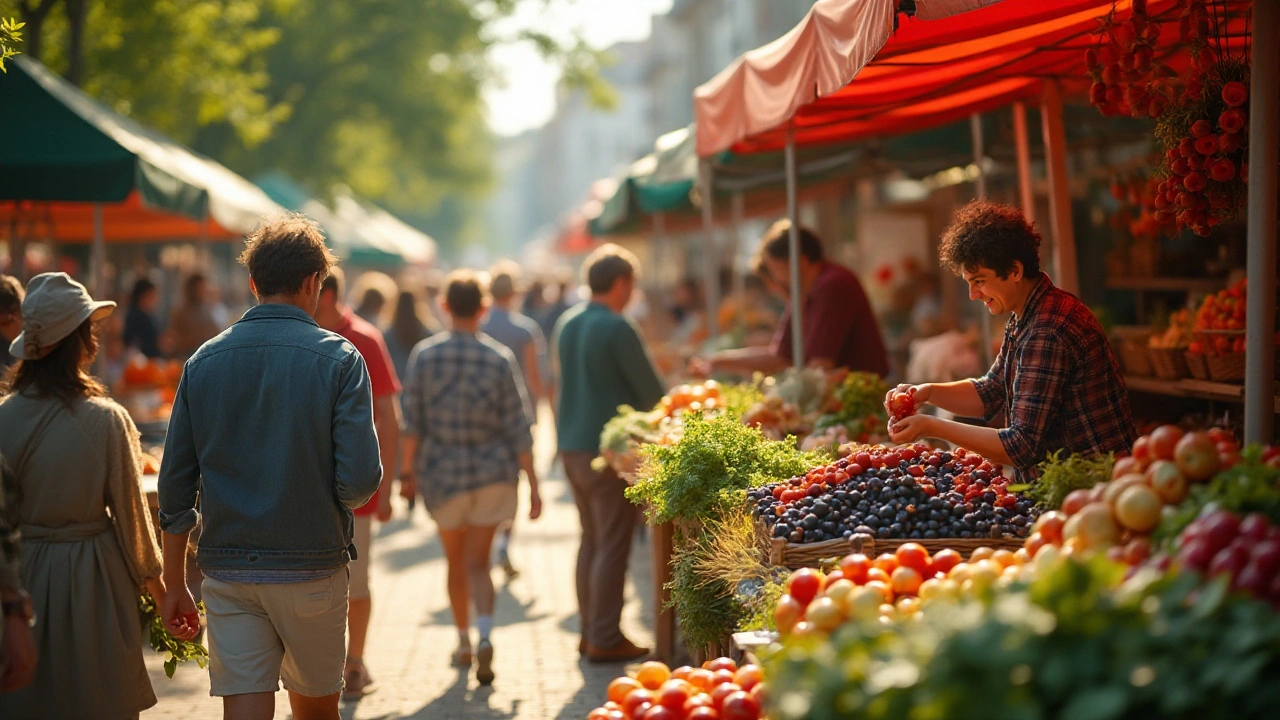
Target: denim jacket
{"points": [[272, 428]]}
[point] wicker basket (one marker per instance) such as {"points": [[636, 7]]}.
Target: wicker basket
{"points": [[1169, 363], [1198, 365], [824, 554], [1135, 359], [1226, 368]]}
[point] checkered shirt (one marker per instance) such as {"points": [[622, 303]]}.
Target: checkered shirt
{"points": [[1058, 383], [465, 401]]}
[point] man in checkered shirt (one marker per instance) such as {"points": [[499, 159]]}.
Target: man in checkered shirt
{"points": [[467, 438], [1056, 378]]}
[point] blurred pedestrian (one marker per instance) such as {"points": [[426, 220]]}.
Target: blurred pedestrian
{"points": [[11, 295], [333, 315], [192, 322], [140, 329], [272, 429], [89, 543], [603, 364], [522, 336], [467, 439], [18, 653], [408, 327], [372, 292]]}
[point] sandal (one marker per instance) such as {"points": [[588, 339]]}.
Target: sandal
{"points": [[462, 657]]}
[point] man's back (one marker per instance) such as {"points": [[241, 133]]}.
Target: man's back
{"points": [[516, 331], [603, 365], [274, 416]]}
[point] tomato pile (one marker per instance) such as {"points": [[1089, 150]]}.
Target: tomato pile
{"points": [[719, 690], [911, 492], [692, 398], [891, 586]]}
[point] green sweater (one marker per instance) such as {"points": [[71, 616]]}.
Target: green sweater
{"points": [[603, 364]]}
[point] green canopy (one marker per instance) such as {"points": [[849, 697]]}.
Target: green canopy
{"points": [[62, 145]]}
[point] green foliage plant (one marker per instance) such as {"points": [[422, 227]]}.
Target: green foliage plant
{"points": [[176, 651]]}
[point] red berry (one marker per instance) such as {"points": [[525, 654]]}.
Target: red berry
{"points": [[1228, 142], [1207, 144], [1097, 93], [1200, 128], [1194, 182], [1187, 146], [1231, 121], [1222, 170], [1235, 93]]}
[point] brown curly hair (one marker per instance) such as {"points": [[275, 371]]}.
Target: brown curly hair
{"points": [[283, 251], [991, 235]]}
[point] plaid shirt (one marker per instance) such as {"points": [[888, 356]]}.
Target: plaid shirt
{"points": [[1057, 381], [464, 399]]}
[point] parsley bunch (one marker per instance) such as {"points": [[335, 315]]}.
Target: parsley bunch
{"points": [[177, 651]]}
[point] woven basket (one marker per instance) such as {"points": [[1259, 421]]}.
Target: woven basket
{"points": [[1198, 365], [1226, 368], [1135, 359], [794, 556], [1169, 363]]}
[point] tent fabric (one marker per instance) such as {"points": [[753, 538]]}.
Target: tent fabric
{"points": [[65, 146], [930, 73], [130, 221]]}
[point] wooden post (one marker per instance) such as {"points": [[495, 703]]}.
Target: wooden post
{"points": [[1264, 118], [664, 619], [1022, 147], [1055, 145]]}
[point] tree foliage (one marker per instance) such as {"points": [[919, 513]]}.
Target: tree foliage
{"points": [[10, 36]]}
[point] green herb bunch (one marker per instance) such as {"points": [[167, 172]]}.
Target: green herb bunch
{"points": [[629, 424], [861, 399], [177, 651], [710, 468], [1060, 475], [1250, 486], [1073, 645]]}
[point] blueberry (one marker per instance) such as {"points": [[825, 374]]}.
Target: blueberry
{"points": [[781, 530], [931, 535], [829, 528], [821, 509], [810, 522], [945, 457]]}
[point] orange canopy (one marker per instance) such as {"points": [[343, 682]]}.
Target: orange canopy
{"points": [[128, 222], [925, 74]]}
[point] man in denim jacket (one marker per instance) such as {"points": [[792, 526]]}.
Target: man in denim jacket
{"points": [[272, 429]]}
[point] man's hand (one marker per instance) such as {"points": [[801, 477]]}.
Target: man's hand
{"points": [[921, 397], [181, 618], [384, 505], [408, 486], [18, 655], [535, 504], [910, 429]]}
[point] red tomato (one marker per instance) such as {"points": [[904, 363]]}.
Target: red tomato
{"points": [[659, 712], [804, 586], [721, 692], [740, 706], [748, 676], [831, 577], [912, 555], [634, 700], [855, 567], [703, 713], [944, 560], [697, 701], [863, 459], [722, 663], [673, 694]]}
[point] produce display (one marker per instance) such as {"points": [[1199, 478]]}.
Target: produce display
{"points": [[1179, 333], [718, 690], [908, 492], [835, 406], [1219, 323]]}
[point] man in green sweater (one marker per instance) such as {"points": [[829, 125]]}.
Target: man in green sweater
{"points": [[603, 364]]}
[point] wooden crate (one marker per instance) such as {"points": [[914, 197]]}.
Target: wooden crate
{"points": [[1169, 363], [780, 552], [1226, 368]]}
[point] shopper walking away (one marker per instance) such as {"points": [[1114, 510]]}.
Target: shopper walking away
{"points": [[192, 322], [11, 295], [140, 329], [18, 654], [409, 326], [603, 364], [89, 544], [522, 336], [467, 438], [273, 428], [334, 315]]}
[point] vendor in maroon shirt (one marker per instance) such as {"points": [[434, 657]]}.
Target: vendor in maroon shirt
{"points": [[839, 326]]}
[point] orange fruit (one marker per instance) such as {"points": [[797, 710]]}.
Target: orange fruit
{"points": [[914, 556], [702, 679], [886, 562], [876, 574], [906, 581], [621, 687], [652, 674]]}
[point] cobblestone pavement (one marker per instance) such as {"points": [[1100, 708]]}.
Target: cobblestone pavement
{"points": [[539, 673]]}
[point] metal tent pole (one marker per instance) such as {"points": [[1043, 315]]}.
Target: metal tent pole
{"points": [[980, 183], [793, 213], [1055, 145], [1264, 118], [710, 257], [738, 210], [98, 255]]}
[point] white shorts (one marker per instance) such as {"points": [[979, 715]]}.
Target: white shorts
{"points": [[488, 506], [363, 539]]}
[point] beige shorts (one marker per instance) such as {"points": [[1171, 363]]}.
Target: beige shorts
{"points": [[261, 634], [488, 506], [363, 539]]}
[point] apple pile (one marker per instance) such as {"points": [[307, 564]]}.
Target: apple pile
{"points": [[719, 690], [1118, 516], [892, 586], [1247, 550], [1222, 311]]}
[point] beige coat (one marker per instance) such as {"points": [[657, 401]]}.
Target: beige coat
{"points": [[88, 545]]}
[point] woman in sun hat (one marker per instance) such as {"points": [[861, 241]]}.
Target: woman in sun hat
{"points": [[76, 455]]}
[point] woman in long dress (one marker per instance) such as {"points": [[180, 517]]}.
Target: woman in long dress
{"points": [[88, 544]]}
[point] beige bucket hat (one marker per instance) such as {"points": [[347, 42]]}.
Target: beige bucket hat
{"points": [[54, 307]]}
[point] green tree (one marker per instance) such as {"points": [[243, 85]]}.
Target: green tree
{"points": [[10, 36]]}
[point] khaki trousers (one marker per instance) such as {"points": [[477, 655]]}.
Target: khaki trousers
{"points": [[608, 524]]}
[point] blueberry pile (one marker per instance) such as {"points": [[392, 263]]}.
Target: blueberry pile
{"points": [[906, 493]]}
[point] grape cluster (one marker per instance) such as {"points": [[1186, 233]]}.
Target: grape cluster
{"points": [[907, 493]]}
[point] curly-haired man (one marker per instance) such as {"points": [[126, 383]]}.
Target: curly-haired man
{"points": [[1056, 379]]}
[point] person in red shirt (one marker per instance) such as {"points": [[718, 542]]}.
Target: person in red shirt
{"points": [[840, 329], [334, 315]]}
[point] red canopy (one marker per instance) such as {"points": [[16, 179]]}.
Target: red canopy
{"points": [[927, 74], [131, 221]]}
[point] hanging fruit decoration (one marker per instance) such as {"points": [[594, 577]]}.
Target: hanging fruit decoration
{"points": [[1201, 115]]}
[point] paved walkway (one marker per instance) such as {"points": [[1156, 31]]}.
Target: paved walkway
{"points": [[539, 674]]}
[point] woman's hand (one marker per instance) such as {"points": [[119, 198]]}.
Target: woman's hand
{"points": [[155, 588], [408, 486], [535, 500], [912, 428]]}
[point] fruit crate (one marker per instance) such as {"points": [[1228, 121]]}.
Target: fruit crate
{"points": [[1169, 363], [1135, 359], [1226, 368], [1198, 365], [780, 552]]}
